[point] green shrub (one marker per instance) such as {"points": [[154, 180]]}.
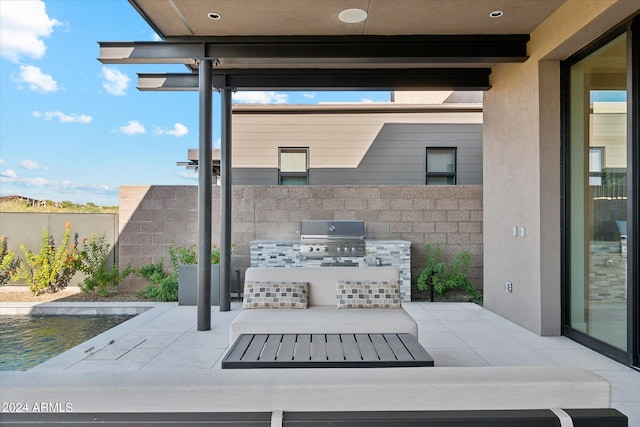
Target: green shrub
{"points": [[163, 287], [51, 269], [94, 254], [444, 278], [8, 262], [189, 254]]}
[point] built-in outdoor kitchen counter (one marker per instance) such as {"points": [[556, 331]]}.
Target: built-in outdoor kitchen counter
{"points": [[286, 253]]}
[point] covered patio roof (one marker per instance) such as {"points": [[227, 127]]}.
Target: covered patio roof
{"points": [[316, 44], [311, 45]]}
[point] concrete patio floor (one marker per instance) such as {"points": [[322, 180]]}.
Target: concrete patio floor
{"points": [[164, 339]]}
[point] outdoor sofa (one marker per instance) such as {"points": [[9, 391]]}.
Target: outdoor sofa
{"points": [[322, 313]]}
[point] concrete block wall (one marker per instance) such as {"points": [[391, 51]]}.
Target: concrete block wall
{"points": [[154, 217]]}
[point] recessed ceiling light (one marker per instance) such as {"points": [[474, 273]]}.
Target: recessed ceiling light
{"points": [[214, 16], [352, 16], [496, 14]]}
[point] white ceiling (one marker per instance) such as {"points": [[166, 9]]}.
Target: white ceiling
{"points": [[189, 18]]}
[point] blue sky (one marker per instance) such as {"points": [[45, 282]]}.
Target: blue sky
{"points": [[74, 129]]}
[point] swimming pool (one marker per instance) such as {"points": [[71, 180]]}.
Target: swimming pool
{"points": [[26, 341]]}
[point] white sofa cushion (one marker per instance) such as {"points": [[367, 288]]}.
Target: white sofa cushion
{"points": [[322, 320]]}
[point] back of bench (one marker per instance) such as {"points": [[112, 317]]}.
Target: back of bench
{"points": [[322, 280]]}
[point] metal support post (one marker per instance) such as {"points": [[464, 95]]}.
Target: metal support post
{"points": [[204, 196], [225, 201]]}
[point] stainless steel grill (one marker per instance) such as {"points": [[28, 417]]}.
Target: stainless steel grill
{"points": [[321, 239]]}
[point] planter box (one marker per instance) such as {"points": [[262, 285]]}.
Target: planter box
{"points": [[188, 284]]}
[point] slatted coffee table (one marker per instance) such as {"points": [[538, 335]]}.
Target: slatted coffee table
{"points": [[326, 351]]}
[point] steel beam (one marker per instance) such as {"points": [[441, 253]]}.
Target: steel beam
{"points": [[168, 82], [204, 198], [325, 79], [317, 52], [150, 53], [368, 49], [225, 201]]}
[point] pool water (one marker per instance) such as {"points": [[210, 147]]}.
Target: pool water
{"points": [[26, 341]]}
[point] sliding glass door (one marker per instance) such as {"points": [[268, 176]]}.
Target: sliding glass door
{"points": [[598, 210]]}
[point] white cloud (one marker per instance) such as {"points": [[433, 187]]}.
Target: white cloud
{"points": [[2, 162], [64, 118], [115, 82], [36, 79], [260, 97], [309, 95], [64, 187], [155, 37], [133, 127], [36, 182], [70, 187], [179, 130], [11, 177], [31, 165], [54, 190], [9, 173], [188, 175], [23, 25]]}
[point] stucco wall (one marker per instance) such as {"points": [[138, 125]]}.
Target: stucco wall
{"points": [[521, 138], [152, 218], [25, 228]]}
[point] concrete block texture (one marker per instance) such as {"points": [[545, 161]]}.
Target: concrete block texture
{"points": [[450, 216]]}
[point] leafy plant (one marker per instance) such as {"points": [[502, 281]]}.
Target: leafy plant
{"points": [[443, 278], [8, 262], [94, 255], [51, 269], [189, 254], [163, 287]]}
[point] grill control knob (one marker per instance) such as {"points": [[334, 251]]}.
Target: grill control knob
{"points": [[339, 249]]}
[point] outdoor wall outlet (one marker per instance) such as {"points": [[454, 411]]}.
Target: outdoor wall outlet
{"points": [[515, 231], [523, 232], [508, 287]]}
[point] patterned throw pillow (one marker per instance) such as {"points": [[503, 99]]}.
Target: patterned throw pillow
{"points": [[275, 295], [368, 294]]}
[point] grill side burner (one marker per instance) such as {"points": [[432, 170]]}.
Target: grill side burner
{"points": [[319, 239]]}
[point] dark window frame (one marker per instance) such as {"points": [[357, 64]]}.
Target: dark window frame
{"points": [[631, 356], [283, 175], [453, 174]]}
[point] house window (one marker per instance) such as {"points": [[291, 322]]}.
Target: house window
{"points": [[441, 166], [293, 166], [596, 162]]}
